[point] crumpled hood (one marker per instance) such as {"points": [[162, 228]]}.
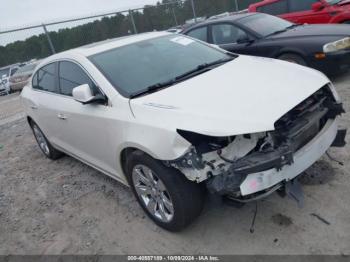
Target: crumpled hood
{"points": [[247, 95]]}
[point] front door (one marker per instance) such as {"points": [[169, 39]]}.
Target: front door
{"points": [[86, 131]]}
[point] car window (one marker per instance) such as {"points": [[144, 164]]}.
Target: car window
{"points": [[44, 79], [277, 8], [4, 72], [13, 71], [264, 24], [199, 33], [227, 34], [297, 5], [70, 76]]}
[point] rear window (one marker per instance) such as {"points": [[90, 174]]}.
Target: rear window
{"points": [[45, 78], [297, 5], [277, 8]]}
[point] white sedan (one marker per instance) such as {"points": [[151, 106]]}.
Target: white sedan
{"points": [[173, 118]]}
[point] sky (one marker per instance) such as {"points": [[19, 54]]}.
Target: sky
{"points": [[20, 13]]}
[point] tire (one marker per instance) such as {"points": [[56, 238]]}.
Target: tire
{"points": [[293, 58], [44, 144], [186, 198], [346, 22]]}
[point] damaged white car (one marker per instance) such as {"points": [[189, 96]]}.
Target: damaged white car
{"points": [[173, 118]]}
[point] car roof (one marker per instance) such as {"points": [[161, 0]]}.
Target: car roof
{"points": [[109, 44], [230, 18]]}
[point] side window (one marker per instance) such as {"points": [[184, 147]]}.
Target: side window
{"points": [[227, 34], [297, 5], [70, 76], [13, 71], [44, 79], [199, 33], [277, 8]]}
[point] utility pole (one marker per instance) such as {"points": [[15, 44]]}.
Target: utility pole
{"points": [[132, 21], [175, 19], [49, 39], [194, 11], [236, 3]]}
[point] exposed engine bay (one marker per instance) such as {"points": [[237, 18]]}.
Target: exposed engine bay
{"points": [[225, 162]]}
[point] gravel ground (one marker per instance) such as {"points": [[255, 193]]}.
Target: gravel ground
{"points": [[66, 207]]}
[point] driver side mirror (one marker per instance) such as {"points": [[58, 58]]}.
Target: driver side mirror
{"points": [[243, 39], [84, 95], [317, 6]]}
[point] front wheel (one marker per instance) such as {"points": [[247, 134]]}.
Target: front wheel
{"points": [[293, 58], [167, 197]]}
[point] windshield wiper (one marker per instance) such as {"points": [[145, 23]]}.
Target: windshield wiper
{"points": [[282, 30], [202, 68], [198, 70]]}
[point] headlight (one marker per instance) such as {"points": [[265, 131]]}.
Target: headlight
{"points": [[337, 45]]}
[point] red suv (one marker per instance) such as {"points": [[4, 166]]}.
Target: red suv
{"points": [[306, 11]]}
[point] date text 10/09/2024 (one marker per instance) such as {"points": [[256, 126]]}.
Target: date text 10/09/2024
{"points": [[173, 258]]}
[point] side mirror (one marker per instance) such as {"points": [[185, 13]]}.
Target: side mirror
{"points": [[317, 6], [244, 39], [84, 95]]}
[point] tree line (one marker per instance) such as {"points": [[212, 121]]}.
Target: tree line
{"points": [[161, 16]]}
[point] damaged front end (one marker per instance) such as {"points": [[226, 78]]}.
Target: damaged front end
{"points": [[251, 166]]}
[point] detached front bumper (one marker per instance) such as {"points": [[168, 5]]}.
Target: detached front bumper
{"points": [[303, 159]]}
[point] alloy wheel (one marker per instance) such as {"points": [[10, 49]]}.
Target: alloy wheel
{"points": [[153, 193]]}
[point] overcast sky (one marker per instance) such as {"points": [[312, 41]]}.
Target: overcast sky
{"points": [[18, 13]]}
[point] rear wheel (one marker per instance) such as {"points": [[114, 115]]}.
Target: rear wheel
{"points": [[293, 58], [167, 197], [45, 146]]}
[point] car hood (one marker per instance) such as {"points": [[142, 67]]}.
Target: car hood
{"points": [[316, 30], [247, 95]]}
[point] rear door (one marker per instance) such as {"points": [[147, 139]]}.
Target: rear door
{"points": [[301, 12], [44, 100]]}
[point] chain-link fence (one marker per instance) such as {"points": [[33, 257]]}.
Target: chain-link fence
{"points": [[39, 41]]}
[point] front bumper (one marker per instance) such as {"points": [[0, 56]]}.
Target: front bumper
{"points": [[333, 63], [303, 159]]}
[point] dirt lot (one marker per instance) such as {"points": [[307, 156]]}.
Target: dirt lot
{"points": [[66, 207]]}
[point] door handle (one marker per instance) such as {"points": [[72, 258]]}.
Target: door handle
{"points": [[62, 116], [34, 107]]}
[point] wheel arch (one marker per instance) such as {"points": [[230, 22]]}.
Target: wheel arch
{"points": [[290, 51], [30, 120]]}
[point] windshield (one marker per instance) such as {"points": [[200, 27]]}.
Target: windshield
{"points": [[4, 72], [133, 68], [333, 2], [264, 24], [27, 68]]}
